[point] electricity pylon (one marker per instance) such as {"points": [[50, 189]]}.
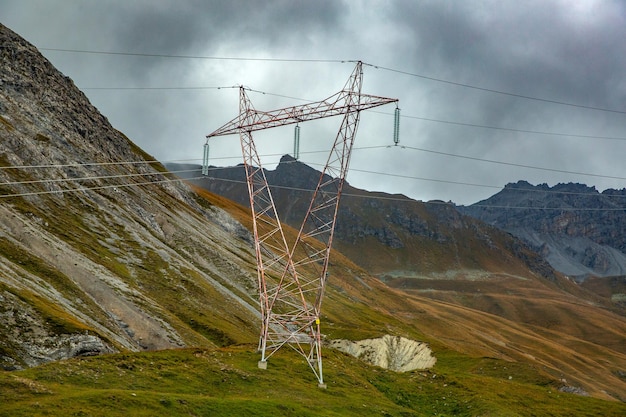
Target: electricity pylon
{"points": [[292, 278]]}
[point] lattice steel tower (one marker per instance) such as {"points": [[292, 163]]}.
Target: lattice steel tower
{"points": [[292, 278]]}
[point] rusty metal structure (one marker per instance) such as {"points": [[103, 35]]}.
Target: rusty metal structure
{"points": [[292, 275]]}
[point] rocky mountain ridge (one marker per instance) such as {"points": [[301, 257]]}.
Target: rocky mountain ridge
{"points": [[577, 229], [389, 235], [430, 249]]}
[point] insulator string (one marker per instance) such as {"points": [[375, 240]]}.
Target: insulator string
{"points": [[296, 142], [205, 159], [396, 126]]}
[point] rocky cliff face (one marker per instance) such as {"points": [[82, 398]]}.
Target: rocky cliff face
{"points": [[579, 230]]}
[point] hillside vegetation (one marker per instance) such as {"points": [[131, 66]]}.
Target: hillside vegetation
{"points": [[226, 382]]}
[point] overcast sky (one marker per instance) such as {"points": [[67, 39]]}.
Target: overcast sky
{"points": [[448, 62]]}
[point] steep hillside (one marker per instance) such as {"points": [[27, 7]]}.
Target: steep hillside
{"points": [[579, 230], [102, 251]]}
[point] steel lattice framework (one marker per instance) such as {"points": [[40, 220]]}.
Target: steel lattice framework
{"points": [[292, 278]]}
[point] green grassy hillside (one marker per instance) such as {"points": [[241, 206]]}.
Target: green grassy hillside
{"points": [[227, 382]]}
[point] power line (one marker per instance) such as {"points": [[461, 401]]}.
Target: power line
{"points": [[149, 162], [308, 163], [550, 208], [99, 187], [429, 179], [410, 200], [394, 70], [490, 90], [67, 180], [196, 88], [101, 177], [376, 197], [514, 164], [536, 132], [380, 147], [507, 129], [155, 88], [325, 61], [265, 93], [499, 187], [86, 164], [216, 58]]}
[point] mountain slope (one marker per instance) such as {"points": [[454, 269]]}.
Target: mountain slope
{"points": [[91, 262], [429, 247], [389, 235], [102, 251], [446, 257]]}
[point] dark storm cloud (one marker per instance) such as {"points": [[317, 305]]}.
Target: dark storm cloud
{"points": [[222, 29], [559, 50], [539, 49], [536, 47], [175, 27], [555, 50], [198, 28]]}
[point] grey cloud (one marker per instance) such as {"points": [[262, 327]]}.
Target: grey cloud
{"points": [[554, 49]]}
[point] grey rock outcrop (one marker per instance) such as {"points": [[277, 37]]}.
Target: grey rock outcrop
{"points": [[579, 230], [390, 352]]}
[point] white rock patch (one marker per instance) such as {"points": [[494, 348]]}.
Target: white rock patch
{"points": [[390, 352]]}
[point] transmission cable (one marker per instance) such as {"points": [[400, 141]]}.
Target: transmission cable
{"points": [[514, 164], [507, 129], [176, 172], [98, 187], [405, 116], [214, 58], [308, 163], [490, 90], [397, 71], [100, 177], [499, 187], [375, 197], [410, 200]]}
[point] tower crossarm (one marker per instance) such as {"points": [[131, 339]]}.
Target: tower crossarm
{"points": [[335, 105]]}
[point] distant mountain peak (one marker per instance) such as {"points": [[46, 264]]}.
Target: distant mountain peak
{"points": [[520, 184], [560, 187], [287, 159]]}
